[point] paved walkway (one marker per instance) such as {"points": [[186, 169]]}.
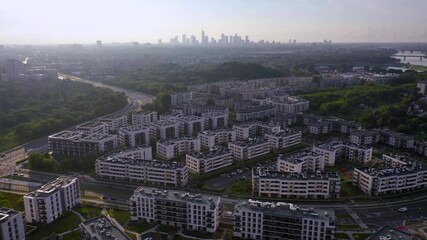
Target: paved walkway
{"points": [[356, 218], [78, 214]]}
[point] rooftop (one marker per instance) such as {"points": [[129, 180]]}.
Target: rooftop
{"points": [[162, 123], [266, 173], [285, 132], [114, 159], [90, 125], [214, 132], [52, 187], [132, 128], [387, 171], [173, 141], [101, 228], [6, 213], [298, 157], [250, 143], [213, 153], [335, 145], [111, 117], [71, 135], [389, 233], [255, 109]]}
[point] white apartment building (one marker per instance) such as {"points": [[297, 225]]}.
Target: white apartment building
{"points": [[91, 128], [254, 129], [253, 113], [179, 98], [319, 128], [51, 200], [291, 104], [285, 138], [281, 221], [164, 129], [191, 125], [215, 120], [134, 135], [390, 180], [209, 161], [175, 208], [11, 225], [143, 152], [294, 185], [360, 137], [209, 139], [336, 151], [245, 150], [170, 116], [114, 122], [144, 117], [302, 161], [396, 139], [161, 173], [169, 149], [422, 87]]}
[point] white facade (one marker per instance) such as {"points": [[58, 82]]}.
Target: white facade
{"points": [[169, 149], [114, 122], [152, 172], [164, 129], [143, 152], [422, 87], [334, 151], [209, 139], [143, 117], [302, 161], [209, 161], [281, 221], [253, 113], [215, 120], [191, 125], [284, 139], [249, 149], [254, 129], [292, 104], [134, 135], [364, 137], [11, 225], [48, 203], [193, 212], [294, 185]]}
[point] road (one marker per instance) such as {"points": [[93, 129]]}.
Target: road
{"points": [[135, 99]]}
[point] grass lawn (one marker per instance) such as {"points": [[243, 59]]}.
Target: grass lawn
{"points": [[361, 236], [11, 200], [120, 215], [344, 227], [197, 234], [342, 236], [347, 189], [132, 236], [138, 227], [167, 229], [66, 222], [88, 212], [72, 235], [241, 188]]}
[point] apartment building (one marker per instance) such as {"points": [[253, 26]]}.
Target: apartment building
{"points": [[100, 228], [334, 151], [301, 161], [144, 117], [255, 112], [179, 98], [284, 120], [215, 120], [114, 121], [170, 116], [245, 150], [319, 128], [161, 173], [396, 139], [388, 180], [164, 129], [254, 129], [91, 128], [134, 135], [169, 149], [141, 152], [276, 184], [79, 144], [11, 225], [49, 202], [209, 161], [291, 104], [179, 209], [209, 139], [361, 137], [281, 221], [191, 125], [285, 138]]}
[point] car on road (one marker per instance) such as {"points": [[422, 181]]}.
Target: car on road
{"points": [[233, 173], [403, 209]]}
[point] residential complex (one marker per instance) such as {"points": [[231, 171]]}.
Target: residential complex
{"points": [[164, 129], [290, 104], [276, 184], [174, 208], [285, 138], [169, 149], [51, 200], [301, 161], [244, 131], [253, 113], [281, 221], [144, 117], [114, 122], [209, 161], [245, 150], [11, 225], [215, 120], [134, 135], [191, 125], [209, 139], [334, 151], [161, 173], [100, 228]]}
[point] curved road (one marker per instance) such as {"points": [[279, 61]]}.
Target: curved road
{"points": [[135, 99]]}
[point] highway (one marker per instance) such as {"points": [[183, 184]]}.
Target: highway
{"points": [[135, 99]]}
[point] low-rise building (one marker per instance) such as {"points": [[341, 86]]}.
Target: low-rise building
{"points": [[285, 138], [101, 228], [390, 233], [390, 180], [209, 139], [245, 150], [215, 120], [91, 128], [191, 125], [245, 131], [164, 129], [174, 208], [334, 151], [284, 120], [255, 112], [169, 149], [51, 200], [281, 221], [396, 139], [114, 122], [209, 161], [319, 128], [144, 117], [11, 225], [362, 137], [276, 184], [291, 104], [161, 173], [170, 116], [134, 135], [141, 152], [301, 161]]}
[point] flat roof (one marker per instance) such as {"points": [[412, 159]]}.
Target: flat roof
{"points": [[6, 213], [51, 187], [266, 173], [114, 159], [390, 233], [102, 228]]}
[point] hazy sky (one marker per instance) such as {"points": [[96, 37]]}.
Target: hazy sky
{"points": [[85, 21]]}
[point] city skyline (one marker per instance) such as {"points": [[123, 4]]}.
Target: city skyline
{"points": [[47, 22]]}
